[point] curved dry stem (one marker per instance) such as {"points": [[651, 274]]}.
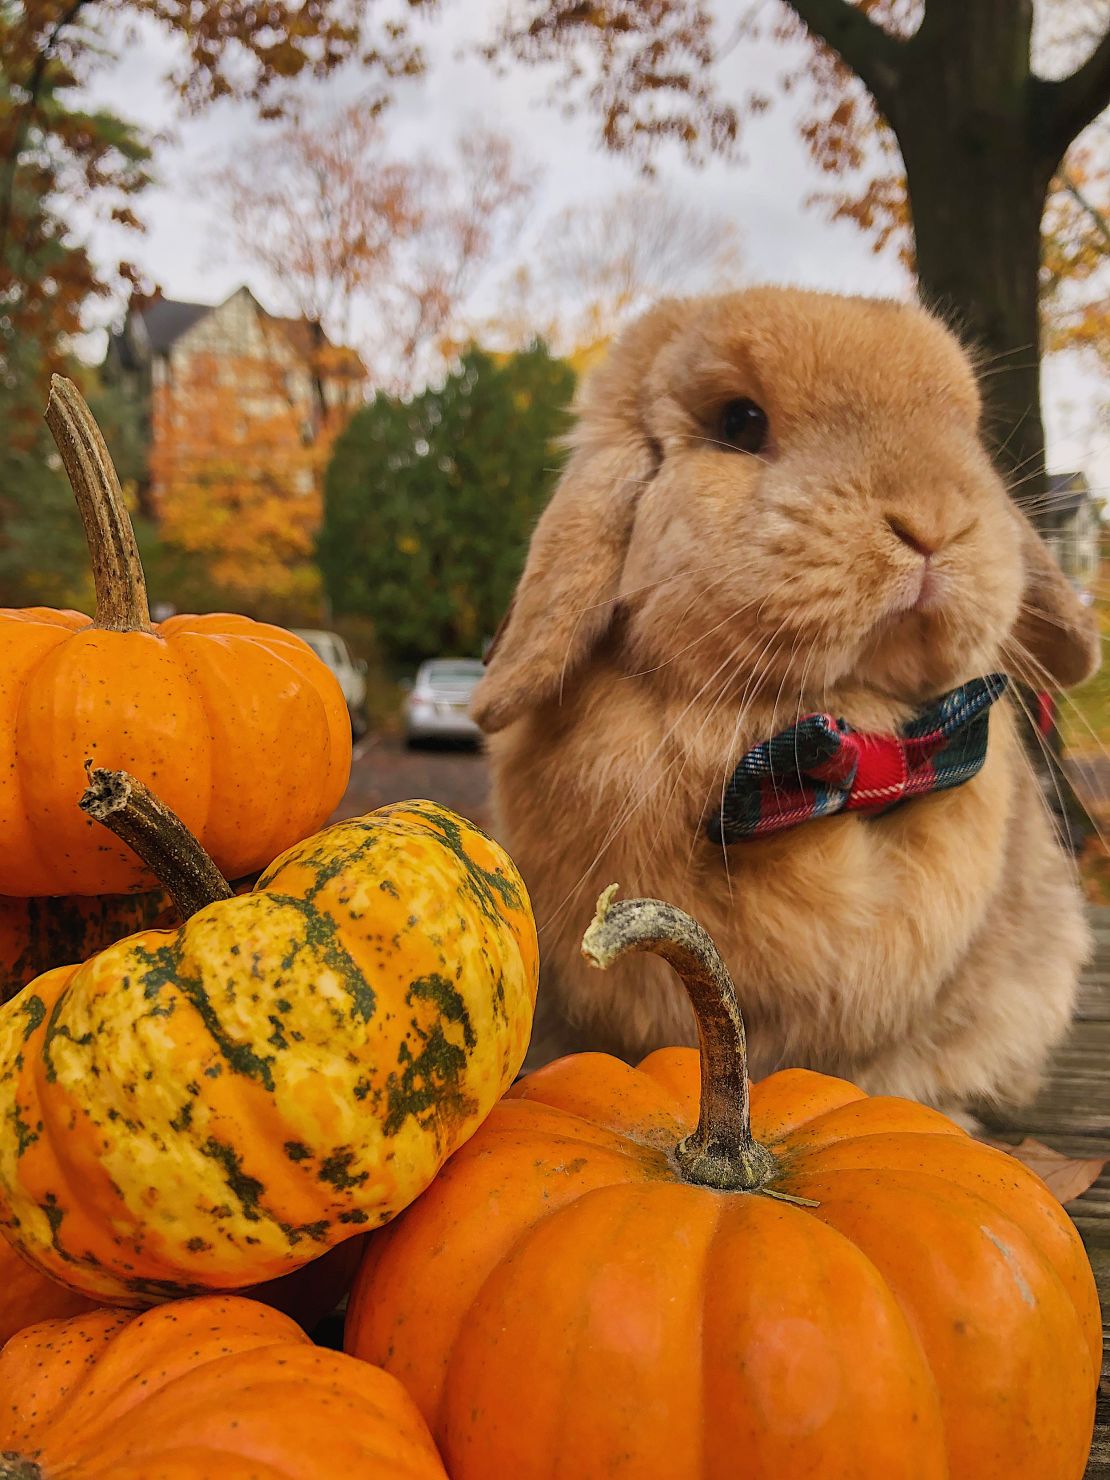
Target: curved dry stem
{"points": [[722, 1152], [126, 807], [121, 599], [15, 1466]]}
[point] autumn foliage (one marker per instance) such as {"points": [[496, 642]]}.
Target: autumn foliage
{"points": [[236, 472], [357, 233]]}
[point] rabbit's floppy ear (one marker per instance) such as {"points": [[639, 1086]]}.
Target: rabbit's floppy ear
{"points": [[1053, 624], [566, 597]]}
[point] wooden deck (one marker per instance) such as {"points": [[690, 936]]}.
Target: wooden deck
{"points": [[1073, 1115]]}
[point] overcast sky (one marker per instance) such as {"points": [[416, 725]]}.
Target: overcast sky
{"points": [[764, 190]]}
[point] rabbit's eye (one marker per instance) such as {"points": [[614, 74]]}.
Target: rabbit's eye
{"points": [[744, 425]]}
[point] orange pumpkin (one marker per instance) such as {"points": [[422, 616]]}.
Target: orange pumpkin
{"points": [[217, 1388], [308, 1294], [603, 1281], [240, 727], [27, 1297]]}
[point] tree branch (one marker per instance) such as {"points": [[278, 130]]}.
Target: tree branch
{"points": [[1075, 101], [875, 56], [1097, 219]]}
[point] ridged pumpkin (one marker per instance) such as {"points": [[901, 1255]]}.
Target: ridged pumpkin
{"points": [[215, 1106], [601, 1282], [38, 934], [218, 713], [27, 1296], [218, 1388]]}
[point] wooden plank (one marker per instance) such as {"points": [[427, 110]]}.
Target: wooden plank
{"points": [[1072, 1114]]}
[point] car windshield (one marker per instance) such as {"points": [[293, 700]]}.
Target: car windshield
{"points": [[326, 645], [464, 671]]}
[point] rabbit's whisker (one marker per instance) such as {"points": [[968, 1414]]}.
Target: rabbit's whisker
{"points": [[630, 806], [1037, 676], [731, 617], [1036, 611], [980, 359], [686, 751], [1050, 766], [593, 606], [746, 700]]}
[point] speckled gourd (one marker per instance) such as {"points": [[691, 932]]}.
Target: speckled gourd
{"points": [[214, 1106]]}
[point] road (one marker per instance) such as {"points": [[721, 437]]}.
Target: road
{"points": [[384, 771]]}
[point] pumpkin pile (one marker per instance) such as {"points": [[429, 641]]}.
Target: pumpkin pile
{"points": [[218, 1104]]}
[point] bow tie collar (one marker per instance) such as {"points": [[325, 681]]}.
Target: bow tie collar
{"points": [[821, 766]]}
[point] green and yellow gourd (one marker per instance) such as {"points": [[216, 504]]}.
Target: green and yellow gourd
{"points": [[214, 1106]]}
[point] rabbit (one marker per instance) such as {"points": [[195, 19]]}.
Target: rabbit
{"points": [[777, 502]]}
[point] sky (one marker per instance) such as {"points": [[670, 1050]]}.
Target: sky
{"points": [[189, 252]]}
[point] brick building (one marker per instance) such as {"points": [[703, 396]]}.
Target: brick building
{"points": [[272, 371]]}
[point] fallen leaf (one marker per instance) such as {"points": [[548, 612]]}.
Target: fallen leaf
{"points": [[1067, 1177]]}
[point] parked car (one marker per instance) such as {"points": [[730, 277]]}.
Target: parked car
{"points": [[331, 648], [437, 706]]}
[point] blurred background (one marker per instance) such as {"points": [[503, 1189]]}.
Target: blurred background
{"points": [[329, 273]]}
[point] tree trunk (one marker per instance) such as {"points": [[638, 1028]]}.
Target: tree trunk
{"points": [[978, 169], [977, 176], [981, 138]]}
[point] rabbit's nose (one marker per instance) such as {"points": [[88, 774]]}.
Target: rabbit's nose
{"points": [[910, 537]]}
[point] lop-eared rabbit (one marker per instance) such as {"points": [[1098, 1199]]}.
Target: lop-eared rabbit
{"points": [[778, 502]]}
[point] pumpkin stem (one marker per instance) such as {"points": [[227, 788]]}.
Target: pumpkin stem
{"points": [[121, 600], [129, 809], [721, 1153], [18, 1467]]}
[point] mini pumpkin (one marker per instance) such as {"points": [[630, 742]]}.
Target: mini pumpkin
{"points": [[218, 1388], [217, 712], [38, 934], [27, 1296], [215, 1106], [606, 1280]]}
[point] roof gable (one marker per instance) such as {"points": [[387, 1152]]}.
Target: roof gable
{"points": [[165, 320], [153, 329]]}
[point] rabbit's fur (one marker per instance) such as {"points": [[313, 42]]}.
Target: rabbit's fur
{"points": [[683, 601]]}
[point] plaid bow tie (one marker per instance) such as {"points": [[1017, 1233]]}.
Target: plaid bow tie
{"points": [[821, 766]]}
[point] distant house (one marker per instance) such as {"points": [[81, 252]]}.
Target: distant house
{"points": [[1071, 526], [262, 365]]}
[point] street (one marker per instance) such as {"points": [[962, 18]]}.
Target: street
{"points": [[384, 771]]}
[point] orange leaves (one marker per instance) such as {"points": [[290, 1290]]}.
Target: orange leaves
{"points": [[236, 466], [1075, 263], [1066, 1177], [654, 81], [254, 52]]}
